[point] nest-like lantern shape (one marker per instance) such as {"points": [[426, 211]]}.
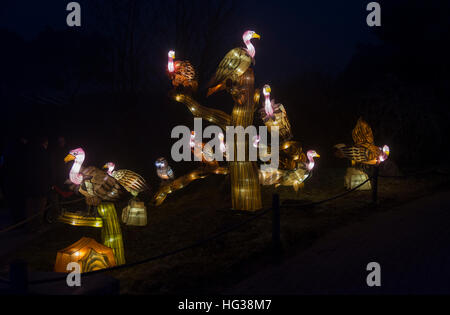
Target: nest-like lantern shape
{"points": [[89, 254]]}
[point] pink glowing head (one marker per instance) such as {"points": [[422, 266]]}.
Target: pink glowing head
{"points": [[266, 90], [192, 139], [223, 147], [311, 154], [170, 65], [256, 140], [110, 166], [384, 153], [268, 108], [78, 154], [247, 37]]}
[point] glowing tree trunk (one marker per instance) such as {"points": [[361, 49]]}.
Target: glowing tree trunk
{"points": [[108, 221], [245, 187]]}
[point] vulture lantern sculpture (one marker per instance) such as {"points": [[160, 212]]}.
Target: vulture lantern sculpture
{"points": [[182, 73], [100, 191], [295, 167], [135, 213], [131, 181], [275, 115], [235, 63], [362, 153]]}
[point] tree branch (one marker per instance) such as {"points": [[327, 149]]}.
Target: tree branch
{"points": [[212, 115]]}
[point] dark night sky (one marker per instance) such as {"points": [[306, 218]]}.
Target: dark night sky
{"points": [[319, 35]]}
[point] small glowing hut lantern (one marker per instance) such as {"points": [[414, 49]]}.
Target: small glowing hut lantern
{"points": [[355, 177], [135, 213], [88, 253]]}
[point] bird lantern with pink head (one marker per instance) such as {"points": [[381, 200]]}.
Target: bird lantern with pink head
{"points": [[275, 115], [135, 214], [363, 153], [182, 73], [100, 191]]}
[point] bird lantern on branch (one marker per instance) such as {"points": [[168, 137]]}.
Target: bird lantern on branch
{"points": [[275, 115], [135, 213], [89, 254]]}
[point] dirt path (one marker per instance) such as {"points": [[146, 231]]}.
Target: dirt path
{"points": [[411, 243]]}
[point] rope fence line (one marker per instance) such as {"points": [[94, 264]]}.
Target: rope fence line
{"points": [[435, 171], [191, 246], [296, 205], [34, 216], [203, 241]]}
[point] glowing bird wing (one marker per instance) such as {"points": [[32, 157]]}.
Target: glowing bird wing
{"points": [[185, 69], [232, 66], [359, 154], [104, 186], [362, 133], [131, 181]]}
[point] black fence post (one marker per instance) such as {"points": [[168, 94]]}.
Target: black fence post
{"points": [[18, 275], [376, 171], [276, 230]]}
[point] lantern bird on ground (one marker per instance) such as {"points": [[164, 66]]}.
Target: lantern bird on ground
{"points": [[182, 73], [290, 177], [364, 151], [163, 170], [94, 184], [296, 177], [234, 64]]}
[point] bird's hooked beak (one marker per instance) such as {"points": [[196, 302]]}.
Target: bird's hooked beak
{"points": [[105, 167], [69, 157], [268, 89], [256, 36], [317, 155]]}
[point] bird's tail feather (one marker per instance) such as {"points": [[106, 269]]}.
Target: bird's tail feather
{"points": [[215, 89]]}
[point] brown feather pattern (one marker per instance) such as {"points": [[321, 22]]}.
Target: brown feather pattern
{"points": [[131, 181]]}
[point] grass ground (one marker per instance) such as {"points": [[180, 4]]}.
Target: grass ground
{"points": [[202, 209]]}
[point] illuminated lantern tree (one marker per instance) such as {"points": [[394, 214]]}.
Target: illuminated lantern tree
{"points": [[236, 76]]}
